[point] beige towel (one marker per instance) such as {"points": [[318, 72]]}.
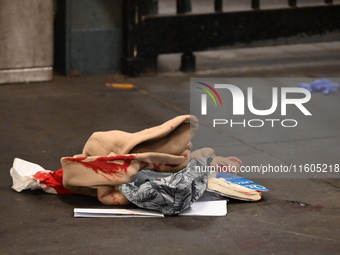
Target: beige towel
{"points": [[112, 158]]}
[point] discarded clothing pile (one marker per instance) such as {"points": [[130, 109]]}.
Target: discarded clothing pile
{"points": [[152, 169]]}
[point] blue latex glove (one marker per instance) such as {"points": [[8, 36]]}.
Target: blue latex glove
{"points": [[324, 85]]}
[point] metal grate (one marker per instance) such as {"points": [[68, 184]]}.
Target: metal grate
{"points": [[148, 34]]}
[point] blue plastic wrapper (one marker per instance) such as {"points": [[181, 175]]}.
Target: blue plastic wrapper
{"points": [[324, 85]]}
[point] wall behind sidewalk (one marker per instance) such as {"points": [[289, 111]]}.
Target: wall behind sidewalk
{"points": [[88, 37], [26, 40]]}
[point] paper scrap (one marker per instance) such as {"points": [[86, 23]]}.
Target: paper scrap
{"points": [[113, 213], [207, 208]]}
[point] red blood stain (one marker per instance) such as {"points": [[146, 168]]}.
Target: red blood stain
{"points": [[106, 164], [116, 200], [185, 155], [249, 193], [235, 160], [143, 164], [53, 179], [156, 166], [172, 165]]}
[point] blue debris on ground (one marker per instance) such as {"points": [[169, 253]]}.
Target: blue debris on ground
{"points": [[324, 85]]}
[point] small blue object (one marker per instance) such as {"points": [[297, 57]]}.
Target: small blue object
{"points": [[233, 178], [323, 85]]}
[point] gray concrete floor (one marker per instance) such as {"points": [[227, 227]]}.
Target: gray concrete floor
{"points": [[41, 122]]}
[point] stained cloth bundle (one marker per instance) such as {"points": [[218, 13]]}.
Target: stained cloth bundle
{"points": [[111, 159]]}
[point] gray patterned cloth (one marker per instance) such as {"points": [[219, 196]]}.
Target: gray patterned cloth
{"points": [[170, 193]]}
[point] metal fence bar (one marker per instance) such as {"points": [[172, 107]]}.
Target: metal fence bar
{"points": [[255, 4], [218, 5], [133, 11], [188, 59], [145, 33], [183, 6], [208, 30], [292, 3], [131, 64]]}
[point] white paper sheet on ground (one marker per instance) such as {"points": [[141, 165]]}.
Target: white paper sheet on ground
{"points": [[22, 172], [100, 212], [207, 208]]}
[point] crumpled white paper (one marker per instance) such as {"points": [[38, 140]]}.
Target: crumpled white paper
{"points": [[22, 175]]}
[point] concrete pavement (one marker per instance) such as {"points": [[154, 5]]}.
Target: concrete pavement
{"points": [[41, 122]]}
